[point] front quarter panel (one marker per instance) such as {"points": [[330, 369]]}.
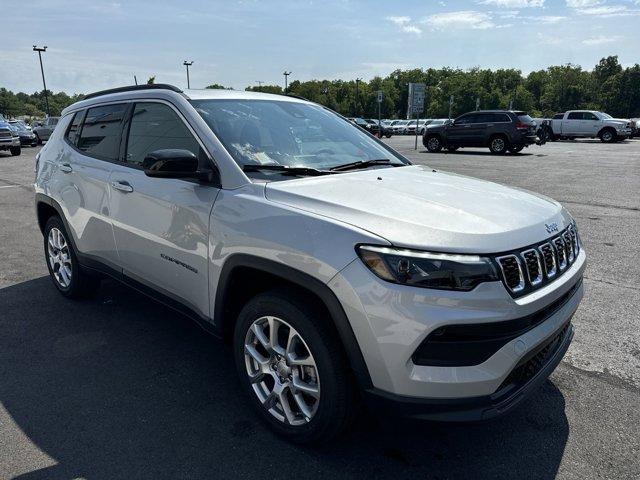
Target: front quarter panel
{"points": [[243, 221]]}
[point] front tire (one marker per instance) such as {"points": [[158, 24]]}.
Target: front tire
{"points": [[498, 145], [15, 151], [292, 367], [607, 136], [62, 262], [433, 143]]}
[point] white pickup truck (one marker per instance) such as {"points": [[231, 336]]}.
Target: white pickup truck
{"points": [[589, 124]]}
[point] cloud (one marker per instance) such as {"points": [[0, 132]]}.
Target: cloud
{"points": [[514, 3], [464, 19], [601, 40], [582, 3], [404, 23], [607, 11], [549, 19]]}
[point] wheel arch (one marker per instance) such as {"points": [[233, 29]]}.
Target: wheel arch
{"points": [[607, 128], [244, 276]]}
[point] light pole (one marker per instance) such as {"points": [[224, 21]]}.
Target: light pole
{"points": [[187, 64], [46, 97], [358, 80], [286, 80]]}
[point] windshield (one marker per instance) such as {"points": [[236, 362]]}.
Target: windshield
{"points": [[273, 132], [606, 116]]}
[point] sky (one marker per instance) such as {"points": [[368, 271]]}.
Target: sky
{"points": [[99, 44]]}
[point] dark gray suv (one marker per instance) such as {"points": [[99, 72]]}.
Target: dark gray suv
{"points": [[500, 130]]}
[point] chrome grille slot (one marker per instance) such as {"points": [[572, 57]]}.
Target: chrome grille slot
{"points": [[561, 254], [549, 259], [568, 243], [533, 266], [511, 272], [574, 240]]}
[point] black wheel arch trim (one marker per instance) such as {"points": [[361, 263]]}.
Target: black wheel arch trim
{"points": [[306, 281]]}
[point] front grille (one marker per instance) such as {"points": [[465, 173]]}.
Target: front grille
{"points": [[5, 133], [533, 267]]}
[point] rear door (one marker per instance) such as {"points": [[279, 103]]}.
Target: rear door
{"points": [[91, 145], [161, 226], [572, 125]]}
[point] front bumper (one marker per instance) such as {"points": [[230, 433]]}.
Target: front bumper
{"points": [[530, 373], [9, 142], [391, 321]]}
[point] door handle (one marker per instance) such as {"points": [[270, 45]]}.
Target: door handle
{"points": [[122, 186], [66, 168]]}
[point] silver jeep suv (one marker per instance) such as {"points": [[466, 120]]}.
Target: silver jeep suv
{"points": [[342, 274]]}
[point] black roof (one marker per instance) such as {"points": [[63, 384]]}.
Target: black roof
{"points": [[133, 88]]}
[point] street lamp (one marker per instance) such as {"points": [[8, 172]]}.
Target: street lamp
{"points": [[358, 80], [187, 64], [286, 78], [46, 97]]}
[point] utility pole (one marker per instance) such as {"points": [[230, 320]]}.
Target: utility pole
{"points": [[286, 80], [358, 80], [450, 106], [46, 96], [477, 104], [135, 79], [259, 82], [187, 64]]}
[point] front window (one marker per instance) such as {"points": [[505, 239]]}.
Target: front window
{"points": [[292, 134]]}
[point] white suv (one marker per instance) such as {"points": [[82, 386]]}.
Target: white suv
{"points": [[342, 274]]}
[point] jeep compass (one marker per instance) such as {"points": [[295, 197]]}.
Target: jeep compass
{"points": [[341, 274]]}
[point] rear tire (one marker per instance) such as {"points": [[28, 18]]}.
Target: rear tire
{"points": [[15, 151], [65, 271], [328, 406], [498, 145], [433, 143], [516, 149]]}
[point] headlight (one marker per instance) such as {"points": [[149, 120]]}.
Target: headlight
{"points": [[426, 269]]}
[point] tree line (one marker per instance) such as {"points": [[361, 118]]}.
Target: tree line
{"points": [[608, 87]]}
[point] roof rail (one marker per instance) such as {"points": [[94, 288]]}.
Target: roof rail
{"points": [[133, 88]]}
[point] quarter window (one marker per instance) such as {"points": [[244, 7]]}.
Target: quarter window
{"points": [[155, 126], [74, 127], [100, 135]]}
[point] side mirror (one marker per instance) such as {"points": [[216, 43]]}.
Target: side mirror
{"points": [[174, 163]]}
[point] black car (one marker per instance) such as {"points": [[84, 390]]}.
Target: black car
{"points": [[500, 130], [372, 126], [27, 137]]}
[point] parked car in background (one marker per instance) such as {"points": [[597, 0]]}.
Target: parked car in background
{"points": [[27, 137], [399, 127], [410, 129], [589, 124], [438, 121], [500, 130], [635, 127], [43, 130], [379, 128], [9, 138]]}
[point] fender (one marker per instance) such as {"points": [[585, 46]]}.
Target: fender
{"points": [[306, 281]]}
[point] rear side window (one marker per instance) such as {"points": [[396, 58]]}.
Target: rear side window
{"points": [[589, 116], [100, 135], [575, 116], [74, 127], [155, 126]]}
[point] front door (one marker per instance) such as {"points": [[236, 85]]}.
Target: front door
{"points": [[460, 131], [161, 226]]}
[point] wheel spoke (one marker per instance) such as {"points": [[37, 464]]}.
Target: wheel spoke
{"points": [[286, 408], [257, 356], [274, 326], [262, 338], [302, 405], [300, 386]]}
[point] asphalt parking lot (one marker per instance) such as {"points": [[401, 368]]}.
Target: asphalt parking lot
{"points": [[120, 387]]}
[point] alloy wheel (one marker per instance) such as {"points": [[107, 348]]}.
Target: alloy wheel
{"points": [[498, 144], [433, 143], [282, 370], [607, 136], [59, 257]]}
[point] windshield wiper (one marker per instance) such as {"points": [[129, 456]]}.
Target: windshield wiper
{"points": [[364, 164], [286, 169]]}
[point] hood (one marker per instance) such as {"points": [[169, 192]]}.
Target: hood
{"points": [[415, 207], [617, 120]]}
